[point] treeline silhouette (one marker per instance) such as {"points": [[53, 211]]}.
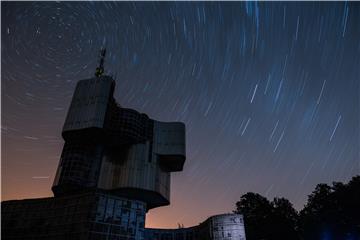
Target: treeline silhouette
{"points": [[331, 213]]}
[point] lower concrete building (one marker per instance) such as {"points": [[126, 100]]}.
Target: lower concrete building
{"points": [[97, 215], [218, 227], [91, 215]]}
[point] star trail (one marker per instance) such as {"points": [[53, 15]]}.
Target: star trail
{"points": [[269, 92]]}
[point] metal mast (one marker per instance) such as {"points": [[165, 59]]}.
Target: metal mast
{"points": [[100, 69]]}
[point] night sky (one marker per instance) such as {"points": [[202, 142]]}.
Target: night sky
{"points": [[269, 92]]}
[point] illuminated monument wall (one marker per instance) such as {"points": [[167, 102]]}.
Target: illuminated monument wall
{"points": [[114, 167]]}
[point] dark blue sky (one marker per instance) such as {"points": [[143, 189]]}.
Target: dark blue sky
{"points": [[269, 92]]}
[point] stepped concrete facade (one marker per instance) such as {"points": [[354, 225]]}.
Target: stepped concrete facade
{"points": [[117, 149]]}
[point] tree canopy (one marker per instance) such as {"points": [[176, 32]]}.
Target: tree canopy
{"points": [[331, 212]]}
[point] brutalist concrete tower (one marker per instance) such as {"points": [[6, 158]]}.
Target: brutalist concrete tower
{"points": [[117, 149], [115, 165]]}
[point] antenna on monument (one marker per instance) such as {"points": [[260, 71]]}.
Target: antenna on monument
{"points": [[100, 69]]}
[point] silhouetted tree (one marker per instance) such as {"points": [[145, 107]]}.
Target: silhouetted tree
{"points": [[332, 212], [311, 217], [256, 210], [267, 220], [284, 219]]}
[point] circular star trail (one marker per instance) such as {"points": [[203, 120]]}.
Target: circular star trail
{"points": [[269, 92]]}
